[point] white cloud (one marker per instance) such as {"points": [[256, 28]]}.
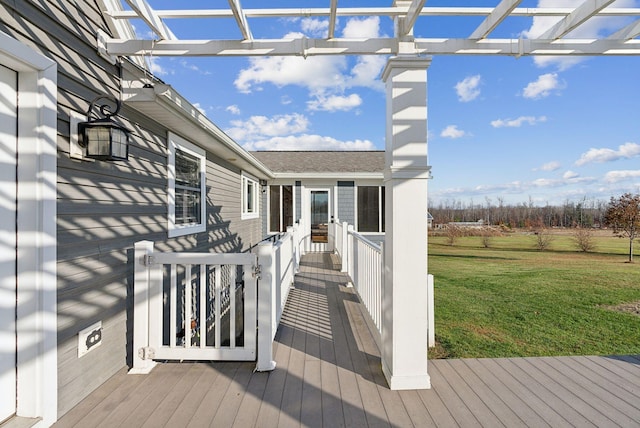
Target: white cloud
{"points": [[316, 72], [366, 71], [362, 28], [625, 151], [334, 102], [615, 176], [287, 132], [308, 142], [233, 109], [549, 166], [453, 132], [467, 89], [315, 27], [592, 28], [155, 68], [542, 87], [546, 182], [260, 127], [329, 75], [568, 175], [516, 123]]}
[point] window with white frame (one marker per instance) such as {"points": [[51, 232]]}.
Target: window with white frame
{"points": [[249, 198], [187, 187]]}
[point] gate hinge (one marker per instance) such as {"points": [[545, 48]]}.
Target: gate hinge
{"points": [[257, 271], [148, 260], [146, 353]]}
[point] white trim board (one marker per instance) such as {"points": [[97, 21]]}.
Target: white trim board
{"points": [[37, 382]]}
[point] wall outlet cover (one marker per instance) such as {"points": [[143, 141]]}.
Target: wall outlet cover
{"points": [[89, 338]]}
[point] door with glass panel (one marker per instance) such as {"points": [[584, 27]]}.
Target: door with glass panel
{"points": [[319, 219]]}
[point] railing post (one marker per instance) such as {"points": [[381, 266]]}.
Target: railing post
{"points": [[142, 363], [266, 307], [431, 312], [350, 255], [344, 250]]}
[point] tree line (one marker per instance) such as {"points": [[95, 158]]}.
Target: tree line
{"points": [[584, 213]]}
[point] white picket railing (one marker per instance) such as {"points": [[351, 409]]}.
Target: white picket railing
{"points": [[365, 267], [193, 306], [363, 260]]}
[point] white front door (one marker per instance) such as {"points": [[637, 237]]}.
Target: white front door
{"points": [[8, 165]]}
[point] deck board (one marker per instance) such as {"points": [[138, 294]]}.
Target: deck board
{"points": [[328, 374]]}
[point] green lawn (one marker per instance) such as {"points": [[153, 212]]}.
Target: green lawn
{"points": [[513, 300]]}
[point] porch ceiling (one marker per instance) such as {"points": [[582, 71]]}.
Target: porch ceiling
{"points": [[477, 24]]}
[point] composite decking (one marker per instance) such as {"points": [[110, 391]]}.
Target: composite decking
{"points": [[328, 374]]}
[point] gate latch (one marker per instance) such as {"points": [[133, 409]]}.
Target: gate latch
{"points": [[257, 271], [148, 260]]}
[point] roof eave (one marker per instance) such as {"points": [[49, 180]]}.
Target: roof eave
{"points": [[165, 105], [329, 175]]}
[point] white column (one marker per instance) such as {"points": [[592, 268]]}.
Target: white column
{"points": [[266, 307], [142, 363], [404, 319]]}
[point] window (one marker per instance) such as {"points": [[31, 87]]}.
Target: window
{"points": [[249, 198], [280, 208], [187, 190], [371, 209]]}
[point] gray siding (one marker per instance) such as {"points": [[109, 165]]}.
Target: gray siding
{"points": [[346, 202], [104, 208]]}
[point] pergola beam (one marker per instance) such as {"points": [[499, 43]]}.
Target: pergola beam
{"points": [[332, 19], [381, 46], [409, 20], [241, 19], [144, 11], [497, 15], [629, 32], [582, 13], [369, 11]]}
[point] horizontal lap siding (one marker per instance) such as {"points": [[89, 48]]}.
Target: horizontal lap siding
{"points": [[105, 207]]}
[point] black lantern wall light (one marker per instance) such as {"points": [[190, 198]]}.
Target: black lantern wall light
{"points": [[102, 137]]}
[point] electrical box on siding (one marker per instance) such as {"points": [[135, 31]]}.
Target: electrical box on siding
{"points": [[89, 338]]}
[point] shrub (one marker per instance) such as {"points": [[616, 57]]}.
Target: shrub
{"points": [[452, 233], [543, 239], [584, 239]]}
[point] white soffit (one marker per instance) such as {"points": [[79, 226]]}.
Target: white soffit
{"points": [[164, 105]]}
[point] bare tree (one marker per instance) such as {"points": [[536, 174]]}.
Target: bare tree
{"points": [[584, 239], [623, 215], [543, 239], [452, 234]]}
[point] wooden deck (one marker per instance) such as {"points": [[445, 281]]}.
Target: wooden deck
{"points": [[329, 375]]}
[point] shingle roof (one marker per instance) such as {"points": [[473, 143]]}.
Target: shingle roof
{"points": [[322, 161]]}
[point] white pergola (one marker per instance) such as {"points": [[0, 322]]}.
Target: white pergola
{"points": [[405, 323], [557, 40]]}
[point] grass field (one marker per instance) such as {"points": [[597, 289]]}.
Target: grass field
{"points": [[512, 300]]}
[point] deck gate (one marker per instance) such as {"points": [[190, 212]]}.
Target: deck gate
{"points": [[199, 306]]}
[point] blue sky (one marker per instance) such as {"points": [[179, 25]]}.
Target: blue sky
{"points": [[545, 130]]}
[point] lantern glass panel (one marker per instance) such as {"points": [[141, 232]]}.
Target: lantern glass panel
{"points": [[98, 138]]}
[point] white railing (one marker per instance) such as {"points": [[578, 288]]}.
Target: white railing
{"points": [[365, 267], [193, 306], [279, 263], [363, 260], [196, 306]]}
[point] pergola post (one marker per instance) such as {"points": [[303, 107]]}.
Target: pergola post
{"points": [[405, 318]]}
